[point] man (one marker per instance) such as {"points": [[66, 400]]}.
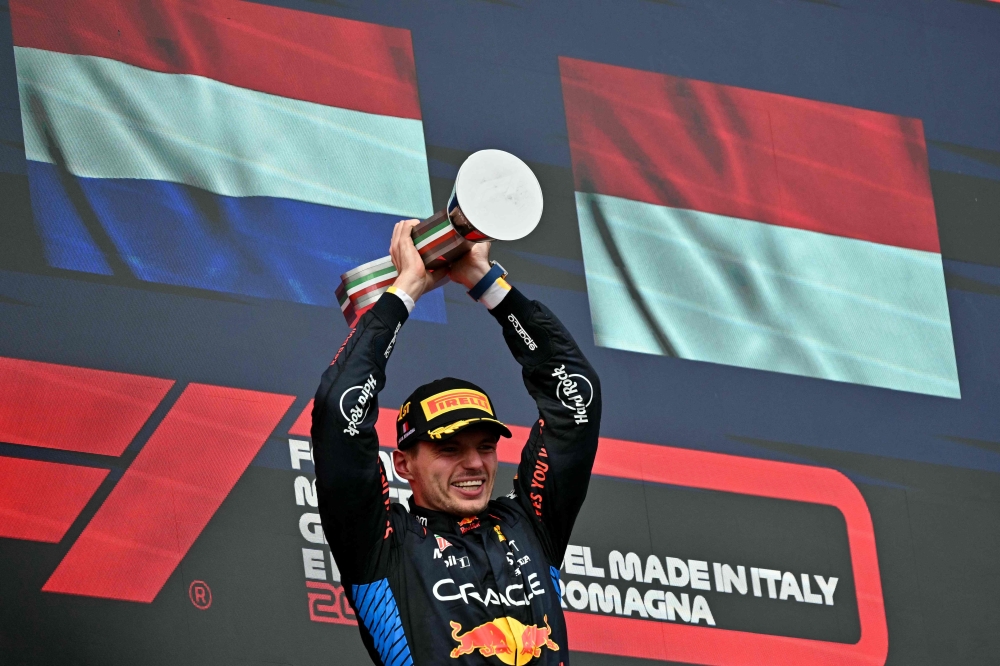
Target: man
{"points": [[459, 579]]}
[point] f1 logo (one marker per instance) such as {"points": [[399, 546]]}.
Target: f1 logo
{"points": [[164, 499]]}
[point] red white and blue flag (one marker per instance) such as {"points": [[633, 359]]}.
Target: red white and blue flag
{"points": [[758, 230], [216, 144]]}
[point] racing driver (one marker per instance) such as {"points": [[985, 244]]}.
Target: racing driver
{"points": [[460, 578]]}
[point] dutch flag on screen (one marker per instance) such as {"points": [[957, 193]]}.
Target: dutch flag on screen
{"points": [[217, 144], [758, 230]]}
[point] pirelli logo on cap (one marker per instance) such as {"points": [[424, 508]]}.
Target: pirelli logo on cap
{"points": [[447, 401]]}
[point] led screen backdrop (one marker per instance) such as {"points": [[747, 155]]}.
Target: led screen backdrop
{"points": [[772, 227]]}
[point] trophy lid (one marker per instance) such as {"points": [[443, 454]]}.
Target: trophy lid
{"points": [[499, 194]]}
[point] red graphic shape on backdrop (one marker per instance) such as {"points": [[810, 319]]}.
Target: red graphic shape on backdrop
{"points": [[167, 496], [303, 424], [722, 647], [748, 154], [301, 55], [40, 500], [74, 409]]}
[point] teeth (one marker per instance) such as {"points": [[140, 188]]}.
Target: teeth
{"points": [[468, 484]]}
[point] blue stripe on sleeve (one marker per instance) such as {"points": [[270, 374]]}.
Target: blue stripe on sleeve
{"points": [[376, 606]]}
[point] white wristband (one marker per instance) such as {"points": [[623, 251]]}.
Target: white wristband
{"points": [[403, 296], [496, 293]]}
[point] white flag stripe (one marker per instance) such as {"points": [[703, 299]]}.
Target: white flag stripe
{"points": [[762, 296], [113, 120]]}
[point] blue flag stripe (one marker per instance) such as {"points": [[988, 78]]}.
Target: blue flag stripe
{"points": [[180, 235]]}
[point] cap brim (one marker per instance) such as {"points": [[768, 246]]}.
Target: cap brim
{"points": [[452, 430]]}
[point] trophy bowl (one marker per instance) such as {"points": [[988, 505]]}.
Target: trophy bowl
{"points": [[495, 197]]}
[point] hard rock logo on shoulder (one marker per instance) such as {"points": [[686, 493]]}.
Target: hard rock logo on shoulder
{"points": [[574, 391], [446, 401], [360, 409]]}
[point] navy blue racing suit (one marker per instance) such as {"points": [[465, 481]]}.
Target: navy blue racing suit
{"points": [[434, 588]]}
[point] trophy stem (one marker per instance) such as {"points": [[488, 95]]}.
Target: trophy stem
{"points": [[438, 243]]}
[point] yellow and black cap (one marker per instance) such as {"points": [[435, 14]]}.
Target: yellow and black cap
{"points": [[442, 408]]}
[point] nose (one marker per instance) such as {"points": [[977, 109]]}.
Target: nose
{"points": [[473, 460]]}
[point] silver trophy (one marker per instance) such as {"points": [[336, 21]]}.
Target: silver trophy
{"points": [[495, 197]]}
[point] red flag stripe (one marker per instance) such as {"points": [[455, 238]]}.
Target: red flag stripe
{"points": [[40, 500], [753, 155], [74, 409], [305, 56], [167, 496]]}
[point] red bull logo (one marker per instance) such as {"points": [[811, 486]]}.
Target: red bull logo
{"points": [[468, 524], [534, 638], [504, 638]]}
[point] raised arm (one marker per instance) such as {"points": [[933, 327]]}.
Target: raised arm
{"points": [[556, 462], [554, 472], [350, 481]]}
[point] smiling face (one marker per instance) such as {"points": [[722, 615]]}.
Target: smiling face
{"points": [[455, 475]]}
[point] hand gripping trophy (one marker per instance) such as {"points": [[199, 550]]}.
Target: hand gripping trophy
{"points": [[495, 197]]}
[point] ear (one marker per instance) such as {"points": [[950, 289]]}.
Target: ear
{"points": [[401, 463]]}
